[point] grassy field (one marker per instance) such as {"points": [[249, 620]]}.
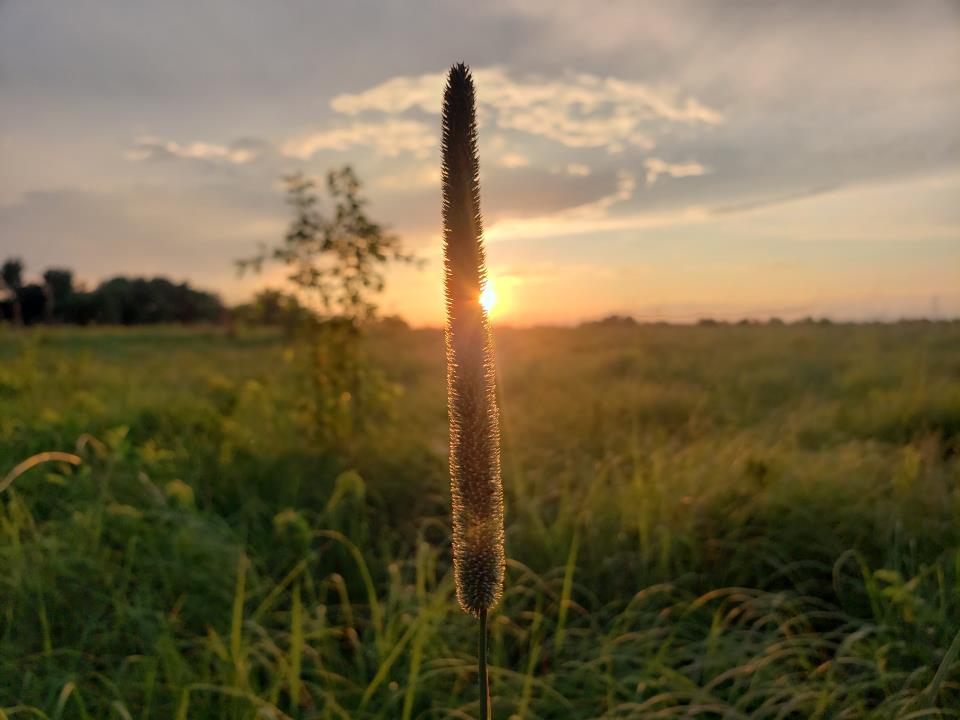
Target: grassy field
{"points": [[702, 522]]}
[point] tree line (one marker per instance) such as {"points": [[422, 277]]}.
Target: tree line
{"points": [[336, 262], [118, 301]]}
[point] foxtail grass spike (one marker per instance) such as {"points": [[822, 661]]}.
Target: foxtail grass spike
{"points": [[475, 487]]}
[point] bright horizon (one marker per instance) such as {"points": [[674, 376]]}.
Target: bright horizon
{"points": [[665, 162]]}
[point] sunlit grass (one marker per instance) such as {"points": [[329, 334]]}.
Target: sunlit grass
{"points": [[701, 522]]}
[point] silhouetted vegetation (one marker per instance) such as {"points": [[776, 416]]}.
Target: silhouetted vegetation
{"points": [[12, 276], [118, 301], [475, 486], [274, 308], [336, 262], [612, 321]]}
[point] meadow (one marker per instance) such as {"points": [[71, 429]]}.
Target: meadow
{"points": [[723, 521]]}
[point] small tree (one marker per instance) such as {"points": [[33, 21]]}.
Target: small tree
{"points": [[12, 275], [59, 285], [337, 265]]}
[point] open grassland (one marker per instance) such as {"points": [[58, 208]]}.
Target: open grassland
{"points": [[730, 521]]}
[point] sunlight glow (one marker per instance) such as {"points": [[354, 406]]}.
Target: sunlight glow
{"points": [[488, 298]]}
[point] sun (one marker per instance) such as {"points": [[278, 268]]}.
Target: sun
{"points": [[488, 298]]}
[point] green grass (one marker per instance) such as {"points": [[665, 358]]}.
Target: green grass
{"points": [[732, 521]]}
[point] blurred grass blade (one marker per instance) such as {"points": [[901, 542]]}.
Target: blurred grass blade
{"points": [[35, 460]]}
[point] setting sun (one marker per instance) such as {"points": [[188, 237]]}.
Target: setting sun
{"points": [[488, 298]]}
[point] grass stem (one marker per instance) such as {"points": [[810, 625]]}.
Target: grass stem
{"points": [[482, 667]]}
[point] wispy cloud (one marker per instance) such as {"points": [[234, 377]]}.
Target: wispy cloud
{"points": [[553, 226], [389, 137], [585, 218], [513, 160], [626, 185], [765, 202], [413, 179], [657, 167], [579, 110], [148, 147]]}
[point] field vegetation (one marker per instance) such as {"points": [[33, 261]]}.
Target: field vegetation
{"points": [[701, 521]]}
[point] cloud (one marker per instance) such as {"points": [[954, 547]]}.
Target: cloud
{"points": [[570, 221], [148, 147], [914, 211], [554, 226], [524, 116], [657, 167], [766, 202], [626, 185], [413, 179], [389, 137], [579, 110], [513, 160], [533, 190]]}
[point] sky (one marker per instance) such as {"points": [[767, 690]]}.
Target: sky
{"points": [[664, 160]]}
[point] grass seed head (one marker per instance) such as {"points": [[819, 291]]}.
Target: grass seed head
{"points": [[476, 490]]}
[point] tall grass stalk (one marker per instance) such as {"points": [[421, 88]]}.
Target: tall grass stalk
{"points": [[476, 490]]}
